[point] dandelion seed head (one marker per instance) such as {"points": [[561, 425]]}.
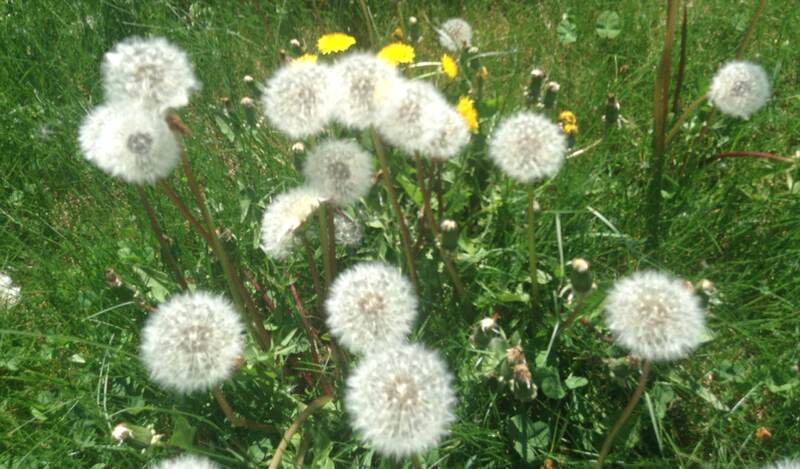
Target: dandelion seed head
{"points": [[287, 212], [365, 79], [371, 305], [297, 99], [739, 89], [455, 35], [528, 147], [655, 316], [187, 461], [401, 400], [785, 464], [340, 170], [348, 231], [9, 293], [150, 70], [192, 342], [410, 118], [126, 140], [448, 137]]}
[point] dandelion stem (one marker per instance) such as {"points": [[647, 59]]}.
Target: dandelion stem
{"points": [[434, 227], [175, 198], [436, 174], [370, 26], [235, 420], [574, 315], [313, 339], [240, 295], [415, 462], [752, 154], [404, 234], [750, 28], [676, 127], [328, 241], [315, 405], [626, 413], [532, 259], [166, 249], [312, 268], [660, 108]]}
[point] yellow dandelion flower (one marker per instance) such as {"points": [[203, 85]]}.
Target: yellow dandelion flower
{"points": [[449, 67], [466, 107], [306, 58], [335, 42], [397, 53], [567, 117], [570, 129]]}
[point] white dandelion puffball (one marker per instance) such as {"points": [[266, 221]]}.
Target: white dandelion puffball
{"points": [[739, 89], [449, 137], [455, 35], [371, 306], [9, 293], [187, 461], [340, 170], [283, 216], [411, 116], [192, 342], [655, 316], [401, 400], [299, 98], [785, 464], [149, 70], [528, 147], [363, 80], [127, 141], [348, 231]]}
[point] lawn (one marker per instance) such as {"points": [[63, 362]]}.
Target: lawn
{"points": [[79, 243]]}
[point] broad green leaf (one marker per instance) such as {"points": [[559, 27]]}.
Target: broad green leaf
{"points": [[575, 382], [567, 31], [607, 25], [183, 433]]}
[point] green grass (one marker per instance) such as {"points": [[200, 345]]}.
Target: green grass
{"points": [[68, 366]]}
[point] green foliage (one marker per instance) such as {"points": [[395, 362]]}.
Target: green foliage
{"points": [[69, 370]]}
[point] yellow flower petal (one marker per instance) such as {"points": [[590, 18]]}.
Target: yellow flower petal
{"points": [[466, 107], [449, 67], [567, 117], [335, 42], [397, 53], [306, 58]]}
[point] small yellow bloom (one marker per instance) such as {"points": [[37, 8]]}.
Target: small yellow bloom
{"points": [[397, 53], [398, 34], [567, 117], [449, 67], [335, 42], [312, 58], [570, 129], [466, 107]]}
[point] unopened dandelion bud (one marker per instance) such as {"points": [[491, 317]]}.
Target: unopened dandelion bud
{"points": [[515, 355], [298, 148], [522, 384], [248, 79], [413, 29], [472, 59], [705, 290], [296, 47], [252, 86], [398, 34], [581, 276], [612, 110], [449, 229], [487, 330], [550, 93], [249, 110], [283, 55], [535, 86]]}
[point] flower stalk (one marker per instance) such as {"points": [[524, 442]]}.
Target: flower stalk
{"points": [[166, 249], [404, 234], [315, 405]]}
